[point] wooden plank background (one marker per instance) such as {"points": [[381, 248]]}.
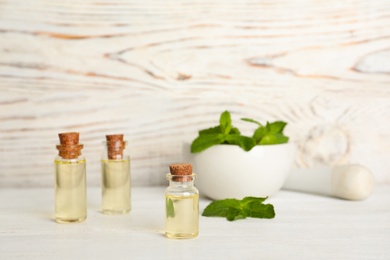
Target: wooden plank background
{"points": [[158, 71]]}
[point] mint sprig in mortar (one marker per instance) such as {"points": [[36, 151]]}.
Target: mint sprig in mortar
{"points": [[226, 133]]}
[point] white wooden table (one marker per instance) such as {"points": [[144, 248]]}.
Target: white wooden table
{"points": [[305, 227]]}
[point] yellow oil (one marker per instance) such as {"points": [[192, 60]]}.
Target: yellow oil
{"points": [[182, 216], [116, 196], [70, 191]]}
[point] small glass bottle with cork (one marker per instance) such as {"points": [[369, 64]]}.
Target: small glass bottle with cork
{"points": [[70, 180], [116, 180], [181, 203]]}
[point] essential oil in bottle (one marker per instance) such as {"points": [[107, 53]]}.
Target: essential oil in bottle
{"points": [[115, 165], [70, 180], [181, 203]]}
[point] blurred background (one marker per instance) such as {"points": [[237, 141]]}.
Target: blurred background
{"points": [[158, 71]]}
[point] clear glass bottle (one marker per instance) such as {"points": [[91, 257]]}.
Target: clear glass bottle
{"points": [[70, 180], [116, 179], [181, 203]]}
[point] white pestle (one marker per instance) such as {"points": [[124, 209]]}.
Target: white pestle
{"points": [[350, 182]]}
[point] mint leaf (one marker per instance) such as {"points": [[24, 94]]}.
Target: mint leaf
{"points": [[247, 200], [234, 130], [170, 210], [212, 130], [274, 139], [220, 208], [271, 133], [225, 122], [251, 121], [233, 209], [261, 211], [235, 214], [259, 133], [254, 208], [244, 142], [276, 127], [203, 142], [224, 133]]}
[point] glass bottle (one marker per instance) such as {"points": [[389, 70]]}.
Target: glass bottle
{"points": [[181, 203], [116, 179], [70, 180]]}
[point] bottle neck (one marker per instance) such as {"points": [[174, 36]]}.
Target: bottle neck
{"points": [[79, 159], [178, 184]]}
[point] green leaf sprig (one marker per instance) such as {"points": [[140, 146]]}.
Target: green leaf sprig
{"points": [[271, 133], [226, 133], [233, 209]]}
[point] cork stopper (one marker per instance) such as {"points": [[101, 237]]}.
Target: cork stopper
{"points": [[69, 147], [115, 146], [180, 171]]}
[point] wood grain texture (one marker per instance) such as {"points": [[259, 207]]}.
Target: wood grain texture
{"points": [[159, 71]]}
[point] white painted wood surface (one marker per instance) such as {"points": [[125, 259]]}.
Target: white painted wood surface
{"points": [[159, 71], [305, 227]]}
